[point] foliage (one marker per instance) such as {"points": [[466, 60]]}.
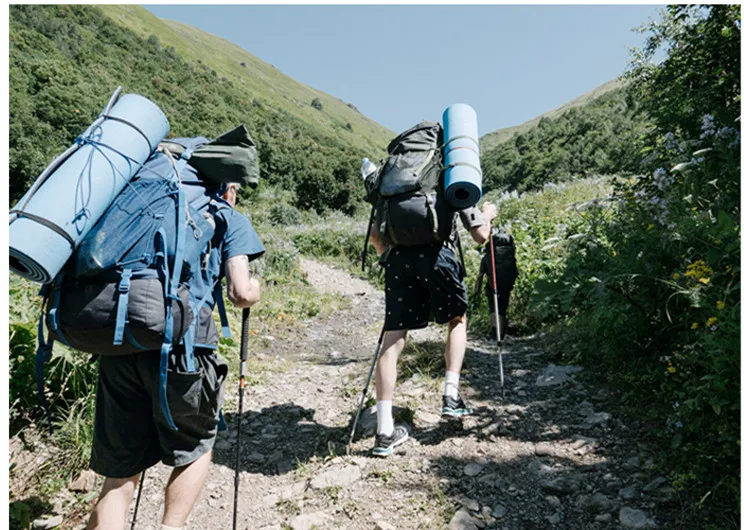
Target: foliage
{"points": [[284, 214], [547, 225], [652, 299], [66, 60], [598, 138]]}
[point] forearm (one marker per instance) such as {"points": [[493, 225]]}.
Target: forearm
{"points": [[376, 240], [243, 290], [480, 233]]}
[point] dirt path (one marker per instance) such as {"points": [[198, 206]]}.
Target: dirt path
{"points": [[544, 457]]}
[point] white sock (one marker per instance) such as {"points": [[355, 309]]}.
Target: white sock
{"points": [[385, 418], [166, 527], [452, 384]]}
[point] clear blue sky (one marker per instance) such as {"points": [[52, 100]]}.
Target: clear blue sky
{"points": [[402, 64]]}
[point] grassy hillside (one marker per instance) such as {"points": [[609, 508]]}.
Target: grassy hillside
{"points": [[262, 80], [589, 136], [499, 136], [65, 61]]}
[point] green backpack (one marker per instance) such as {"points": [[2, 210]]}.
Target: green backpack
{"points": [[406, 193]]}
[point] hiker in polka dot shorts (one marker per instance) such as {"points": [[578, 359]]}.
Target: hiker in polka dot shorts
{"points": [[423, 282]]}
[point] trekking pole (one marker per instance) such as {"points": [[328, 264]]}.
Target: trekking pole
{"points": [[136, 504], [241, 391], [496, 311], [366, 387]]}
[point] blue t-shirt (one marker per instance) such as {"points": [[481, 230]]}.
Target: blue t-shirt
{"points": [[234, 236]]}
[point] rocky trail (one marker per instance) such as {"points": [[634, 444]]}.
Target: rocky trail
{"points": [[545, 456]]}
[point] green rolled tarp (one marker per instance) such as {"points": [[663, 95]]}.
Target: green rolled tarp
{"points": [[231, 157]]}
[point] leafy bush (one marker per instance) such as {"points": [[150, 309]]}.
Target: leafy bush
{"points": [[284, 214]]}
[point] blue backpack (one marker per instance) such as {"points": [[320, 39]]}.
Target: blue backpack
{"points": [[130, 284]]}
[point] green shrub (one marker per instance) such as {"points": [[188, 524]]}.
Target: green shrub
{"points": [[284, 214]]}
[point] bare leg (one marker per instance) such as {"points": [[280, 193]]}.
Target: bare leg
{"points": [[387, 365], [110, 512], [457, 339], [183, 488]]}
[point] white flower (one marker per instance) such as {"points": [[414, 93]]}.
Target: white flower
{"points": [[680, 167]]}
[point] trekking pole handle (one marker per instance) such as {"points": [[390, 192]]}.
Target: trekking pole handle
{"points": [[244, 334]]}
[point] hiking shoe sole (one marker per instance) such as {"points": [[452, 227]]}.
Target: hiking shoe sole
{"points": [[455, 413]]}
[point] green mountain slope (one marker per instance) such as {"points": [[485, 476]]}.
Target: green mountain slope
{"points": [[499, 136], [261, 80], [65, 61], [596, 134]]}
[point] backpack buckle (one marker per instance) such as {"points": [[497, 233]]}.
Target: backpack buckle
{"points": [[125, 284]]}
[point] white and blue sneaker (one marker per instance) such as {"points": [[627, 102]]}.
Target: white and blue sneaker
{"points": [[384, 444]]}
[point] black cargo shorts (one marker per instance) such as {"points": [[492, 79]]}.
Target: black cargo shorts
{"points": [[423, 282], [131, 433]]}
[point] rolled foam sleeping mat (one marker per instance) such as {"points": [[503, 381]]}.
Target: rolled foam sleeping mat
{"points": [[462, 171], [75, 190]]}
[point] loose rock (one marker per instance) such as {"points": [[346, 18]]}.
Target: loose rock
{"points": [[309, 521], [554, 501], [630, 518], [597, 418], [337, 476], [462, 521], [556, 375], [47, 524], [472, 469], [498, 511], [85, 482], [629, 493]]}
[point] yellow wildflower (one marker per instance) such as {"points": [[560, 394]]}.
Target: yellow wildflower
{"points": [[705, 281], [699, 269], [720, 305], [675, 276], [672, 369], [694, 325], [710, 322]]}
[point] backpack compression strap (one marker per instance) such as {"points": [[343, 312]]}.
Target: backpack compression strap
{"points": [[122, 305], [171, 290]]}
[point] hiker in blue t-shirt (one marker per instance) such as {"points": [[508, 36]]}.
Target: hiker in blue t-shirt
{"points": [[130, 432]]}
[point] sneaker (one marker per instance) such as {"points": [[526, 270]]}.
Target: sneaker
{"points": [[384, 444], [455, 408]]}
